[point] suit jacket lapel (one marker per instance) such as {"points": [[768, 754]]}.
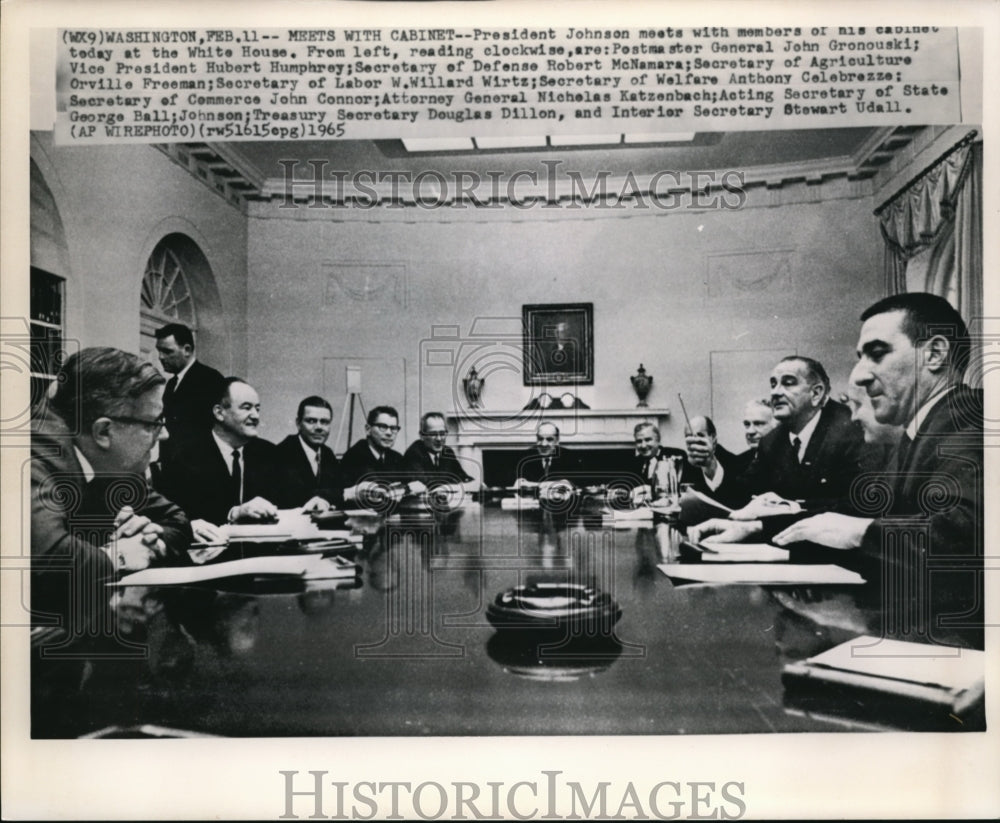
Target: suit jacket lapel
{"points": [[818, 435]]}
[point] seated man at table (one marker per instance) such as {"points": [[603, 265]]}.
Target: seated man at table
{"points": [[706, 461], [660, 471], [880, 438], [229, 475], [920, 545], [758, 420], [655, 469], [813, 455], [430, 462], [93, 514], [310, 470], [372, 470], [913, 350], [547, 461]]}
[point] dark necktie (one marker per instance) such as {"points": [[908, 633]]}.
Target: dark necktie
{"points": [[797, 444], [318, 453], [903, 452], [434, 459], [168, 392], [237, 478], [546, 464]]}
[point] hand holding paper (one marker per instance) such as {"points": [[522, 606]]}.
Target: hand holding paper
{"points": [[316, 504], [766, 504]]}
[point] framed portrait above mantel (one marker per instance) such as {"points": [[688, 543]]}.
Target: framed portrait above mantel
{"points": [[558, 344]]}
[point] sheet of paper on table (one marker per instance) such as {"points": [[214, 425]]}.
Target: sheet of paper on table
{"points": [[516, 503], [761, 574], [309, 567], [629, 515], [697, 507], [292, 524]]}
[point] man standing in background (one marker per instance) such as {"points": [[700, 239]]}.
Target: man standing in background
{"points": [[191, 390]]}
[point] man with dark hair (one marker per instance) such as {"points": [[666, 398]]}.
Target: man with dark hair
{"points": [[310, 470], [428, 460], [93, 514], [373, 458], [813, 454], [923, 542], [706, 462], [229, 474], [192, 389]]}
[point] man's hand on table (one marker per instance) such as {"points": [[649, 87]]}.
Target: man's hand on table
{"points": [[724, 531], [836, 531], [256, 509]]}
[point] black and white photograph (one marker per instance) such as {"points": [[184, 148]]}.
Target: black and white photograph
{"points": [[453, 411]]}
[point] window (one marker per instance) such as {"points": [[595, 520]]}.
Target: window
{"points": [[46, 326], [166, 297]]}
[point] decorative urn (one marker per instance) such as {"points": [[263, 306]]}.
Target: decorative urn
{"points": [[473, 385], [642, 383]]}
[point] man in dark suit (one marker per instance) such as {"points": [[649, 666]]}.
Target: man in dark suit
{"points": [[428, 460], [547, 461], [813, 454], [653, 464], [706, 462], [92, 513], [191, 391], [229, 474], [373, 460], [758, 420], [922, 544], [310, 470]]}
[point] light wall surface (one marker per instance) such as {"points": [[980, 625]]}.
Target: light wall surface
{"points": [[684, 293], [115, 203]]}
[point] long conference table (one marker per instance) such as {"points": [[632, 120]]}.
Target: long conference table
{"points": [[407, 648]]}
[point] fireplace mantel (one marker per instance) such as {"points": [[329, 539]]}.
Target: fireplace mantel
{"points": [[474, 431]]}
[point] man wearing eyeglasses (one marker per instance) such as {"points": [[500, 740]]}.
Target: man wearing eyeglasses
{"points": [[428, 461], [93, 515], [373, 463]]}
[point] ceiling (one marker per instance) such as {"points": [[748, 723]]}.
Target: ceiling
{"points": [[245, 171]]}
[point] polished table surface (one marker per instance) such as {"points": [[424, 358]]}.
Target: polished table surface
{"points": [[409, 650]]}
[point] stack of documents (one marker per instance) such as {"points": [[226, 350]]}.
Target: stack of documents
{"points": [[709, 552], [304, 566], [917, 674]]}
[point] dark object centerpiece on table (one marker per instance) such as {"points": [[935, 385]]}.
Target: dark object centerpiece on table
{"points": [[569, 609]]}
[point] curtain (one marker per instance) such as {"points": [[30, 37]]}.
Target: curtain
{"points": [[933, 232]]}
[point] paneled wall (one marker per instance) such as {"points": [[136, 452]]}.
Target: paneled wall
{"points": [[681, 292]]}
